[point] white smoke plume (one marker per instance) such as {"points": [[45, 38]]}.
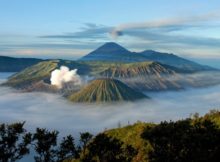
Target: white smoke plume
{"points": [[64, 75]]}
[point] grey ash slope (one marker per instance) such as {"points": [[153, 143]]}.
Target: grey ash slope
{"points": [[139, 69], [106, 90], [144, 76]]}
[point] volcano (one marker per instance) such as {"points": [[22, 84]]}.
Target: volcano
{"points": [[111, 52], [106, 90]]}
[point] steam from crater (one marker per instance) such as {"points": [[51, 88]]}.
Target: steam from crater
{"points": [[64, 75]]}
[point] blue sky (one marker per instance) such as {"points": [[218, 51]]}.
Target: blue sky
{"points": [[70, 29]]}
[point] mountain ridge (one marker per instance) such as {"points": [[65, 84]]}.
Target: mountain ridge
{"points": [[121, 54], [12, 64], [111, 52]]}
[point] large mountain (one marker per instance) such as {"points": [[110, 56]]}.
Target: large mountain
{"points": [[106, 90], [112, 52], [116, 53], [141, 75], [140, 69], [42, 72], [144, 76], [10, 64]]}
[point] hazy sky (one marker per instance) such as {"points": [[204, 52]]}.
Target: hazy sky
{"points": [[70, 29]]}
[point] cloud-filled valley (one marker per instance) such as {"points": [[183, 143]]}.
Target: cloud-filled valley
{"points": [[54, 112]]}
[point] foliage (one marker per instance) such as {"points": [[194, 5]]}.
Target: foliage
{"points": [[213, 115], [186, 140], [193, 140], [85, 138], [108, 149], [67, 149], [14, 142], [44, 145], [131, 135]]}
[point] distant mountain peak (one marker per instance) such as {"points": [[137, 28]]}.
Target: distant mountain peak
{"points": [[111, 46], [114, 52], [148, 51], [108, 51]]}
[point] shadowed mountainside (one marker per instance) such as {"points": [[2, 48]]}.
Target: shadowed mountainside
{"points": [[10, 64]]}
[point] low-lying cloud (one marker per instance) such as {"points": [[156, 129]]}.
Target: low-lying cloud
{"points": [[55, 112]]}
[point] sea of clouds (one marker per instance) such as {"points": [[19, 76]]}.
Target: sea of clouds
{"points": [[55, 112]]}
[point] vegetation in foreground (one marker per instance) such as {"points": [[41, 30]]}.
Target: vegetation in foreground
{"points": [[195, 139]]}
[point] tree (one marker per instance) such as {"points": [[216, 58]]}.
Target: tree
{"points": [[85, 138], [45, 143], [186, 140], [67, 149], [108, 149], [14, 142]]}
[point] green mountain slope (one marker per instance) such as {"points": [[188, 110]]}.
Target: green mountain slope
{"points": [[106, 90], [42, 71]]}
